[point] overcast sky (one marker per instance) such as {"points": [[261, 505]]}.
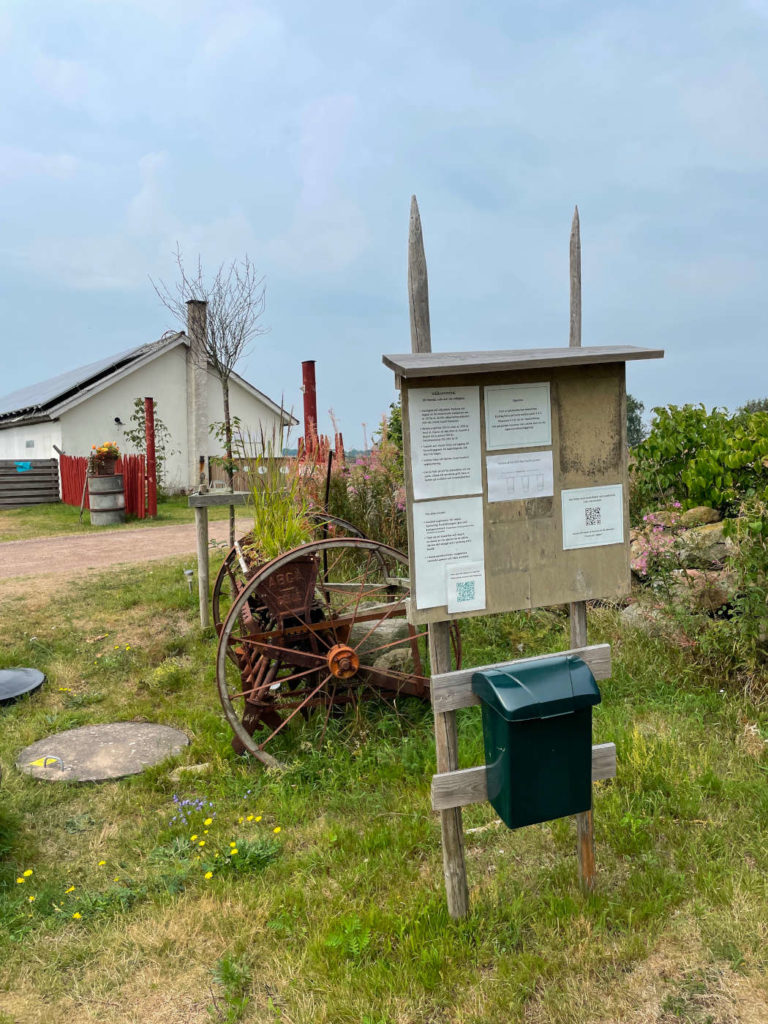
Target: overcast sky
{"points": [[297, 132]]}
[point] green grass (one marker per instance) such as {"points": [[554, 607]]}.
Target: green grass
{"points": [[340, 915], [56, 518]]}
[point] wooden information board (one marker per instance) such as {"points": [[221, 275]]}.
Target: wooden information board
{"points": [[516, 477]]}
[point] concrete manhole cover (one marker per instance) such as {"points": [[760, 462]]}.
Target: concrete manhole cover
{"points": [[95, 752]]}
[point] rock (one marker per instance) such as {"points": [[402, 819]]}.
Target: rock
{"points": [[703, 591], [640, 616], [399, 659], [704, 547], [386, 631], [700, 516]]}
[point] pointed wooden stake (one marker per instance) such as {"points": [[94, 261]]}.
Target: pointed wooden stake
{"points": [[585, 832], [574, 336], [418, 287], [446, 737]]}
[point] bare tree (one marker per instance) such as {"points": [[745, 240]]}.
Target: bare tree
{"points": [[235, 296]]}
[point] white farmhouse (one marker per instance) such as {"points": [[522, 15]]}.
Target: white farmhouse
{"points": [[92, 404]]}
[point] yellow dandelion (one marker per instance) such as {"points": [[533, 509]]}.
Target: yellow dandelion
{"points": [[28, 872], [70, 889], [249, 818], [77, 915], [205, 831], [276, 830], [233, 850], [201, 843], [233, 844], [127, 647], [240, 821], [192, 838], [258, 817], [31, 899], [208, 874], [208, 821], [116, 646], [20, 881], [101, 863]]}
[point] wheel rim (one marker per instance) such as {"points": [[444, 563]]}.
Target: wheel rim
{"points": [[340, 629]]}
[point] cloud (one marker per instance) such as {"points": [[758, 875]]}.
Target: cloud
{"points": [[18, 164]]}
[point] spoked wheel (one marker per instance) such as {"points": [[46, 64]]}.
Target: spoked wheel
{"points": [[240, 564], [317, 628]]}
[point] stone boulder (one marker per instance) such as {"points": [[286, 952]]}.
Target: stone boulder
{"points": [[704, 547], [700, 516], [703, 591], [643, 617]]}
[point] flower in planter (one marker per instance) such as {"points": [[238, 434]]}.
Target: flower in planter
{"points": [[107, 450]]}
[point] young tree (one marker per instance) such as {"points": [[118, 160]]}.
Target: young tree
{"points": [[235, 296], [636, 431]]}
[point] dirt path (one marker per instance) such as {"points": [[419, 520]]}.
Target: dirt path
{"points": [[73, 554]]}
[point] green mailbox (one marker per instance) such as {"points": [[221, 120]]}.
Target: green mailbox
{"points": [[537, 730]]}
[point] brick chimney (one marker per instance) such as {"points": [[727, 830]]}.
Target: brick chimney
{"points": [[197, 389]]}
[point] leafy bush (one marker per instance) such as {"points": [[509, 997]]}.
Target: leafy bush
{"points": [[698, 457]]}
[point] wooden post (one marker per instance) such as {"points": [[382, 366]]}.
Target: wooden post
{"points": [[201, 526], [585, 831], [446, 737], [149, 432]]}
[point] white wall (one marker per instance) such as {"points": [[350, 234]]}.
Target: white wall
{"points": [[165, 380], [13, 441], [93, 421], [256, 418]]}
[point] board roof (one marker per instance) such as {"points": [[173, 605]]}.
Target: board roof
{"points": [[409, 366]]}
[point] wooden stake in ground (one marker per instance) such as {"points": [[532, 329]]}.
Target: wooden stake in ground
{"points": [[446, 737], [578, 610]]}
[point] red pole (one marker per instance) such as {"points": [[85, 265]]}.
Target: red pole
{"points": [[149, 427], [310, 404]]}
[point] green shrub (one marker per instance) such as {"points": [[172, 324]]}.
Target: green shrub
{"points": [[698, 457]]}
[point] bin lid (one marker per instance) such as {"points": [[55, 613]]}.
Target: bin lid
{"points": [[542, 688]]}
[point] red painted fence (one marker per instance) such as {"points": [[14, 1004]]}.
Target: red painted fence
{"points": [[72, 470]]}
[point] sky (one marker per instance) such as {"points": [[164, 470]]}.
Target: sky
{"points": [[297, 132]]}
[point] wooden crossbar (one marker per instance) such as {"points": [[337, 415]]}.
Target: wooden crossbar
{"points": [[468, 785], [453, 690]]}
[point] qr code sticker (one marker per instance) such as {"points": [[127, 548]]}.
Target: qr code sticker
{"points": [[592, 516], [465, 591]]}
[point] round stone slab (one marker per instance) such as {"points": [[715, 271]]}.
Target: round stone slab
{"points": [[15, 682], [95, 752]]}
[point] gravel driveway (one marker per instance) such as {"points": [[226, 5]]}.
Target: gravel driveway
{"points": [[72, 554]]}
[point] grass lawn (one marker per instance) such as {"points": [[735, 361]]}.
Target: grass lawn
{"points": [[56, 518], [333, 910]]}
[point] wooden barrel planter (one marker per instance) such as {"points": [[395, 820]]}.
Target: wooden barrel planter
{"points": [[106, 497]]}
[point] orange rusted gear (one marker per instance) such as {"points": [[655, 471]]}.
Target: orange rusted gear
{"points": [[343, 661]]}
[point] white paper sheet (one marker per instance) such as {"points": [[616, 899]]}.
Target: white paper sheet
{"points": [[445, 533], [517, 416], [593, 516], [465, 587], [444, 428], [520, 476]]}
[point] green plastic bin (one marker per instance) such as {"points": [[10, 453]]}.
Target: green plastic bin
{"points": [[537, 732]]}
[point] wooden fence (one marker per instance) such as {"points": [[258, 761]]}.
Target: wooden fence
{"points": [[73, 471], [28, 482]]}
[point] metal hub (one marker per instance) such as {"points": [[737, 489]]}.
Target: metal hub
{"points": [[343, 661]]}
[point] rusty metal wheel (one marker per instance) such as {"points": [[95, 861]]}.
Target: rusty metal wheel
{"points": [[319, 628], [239, 565]]}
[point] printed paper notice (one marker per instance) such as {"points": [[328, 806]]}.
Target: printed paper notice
{"points": [[445, 534], [466, 587], [445, 441], [520, 476], [517, 416], [593, 516]]}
